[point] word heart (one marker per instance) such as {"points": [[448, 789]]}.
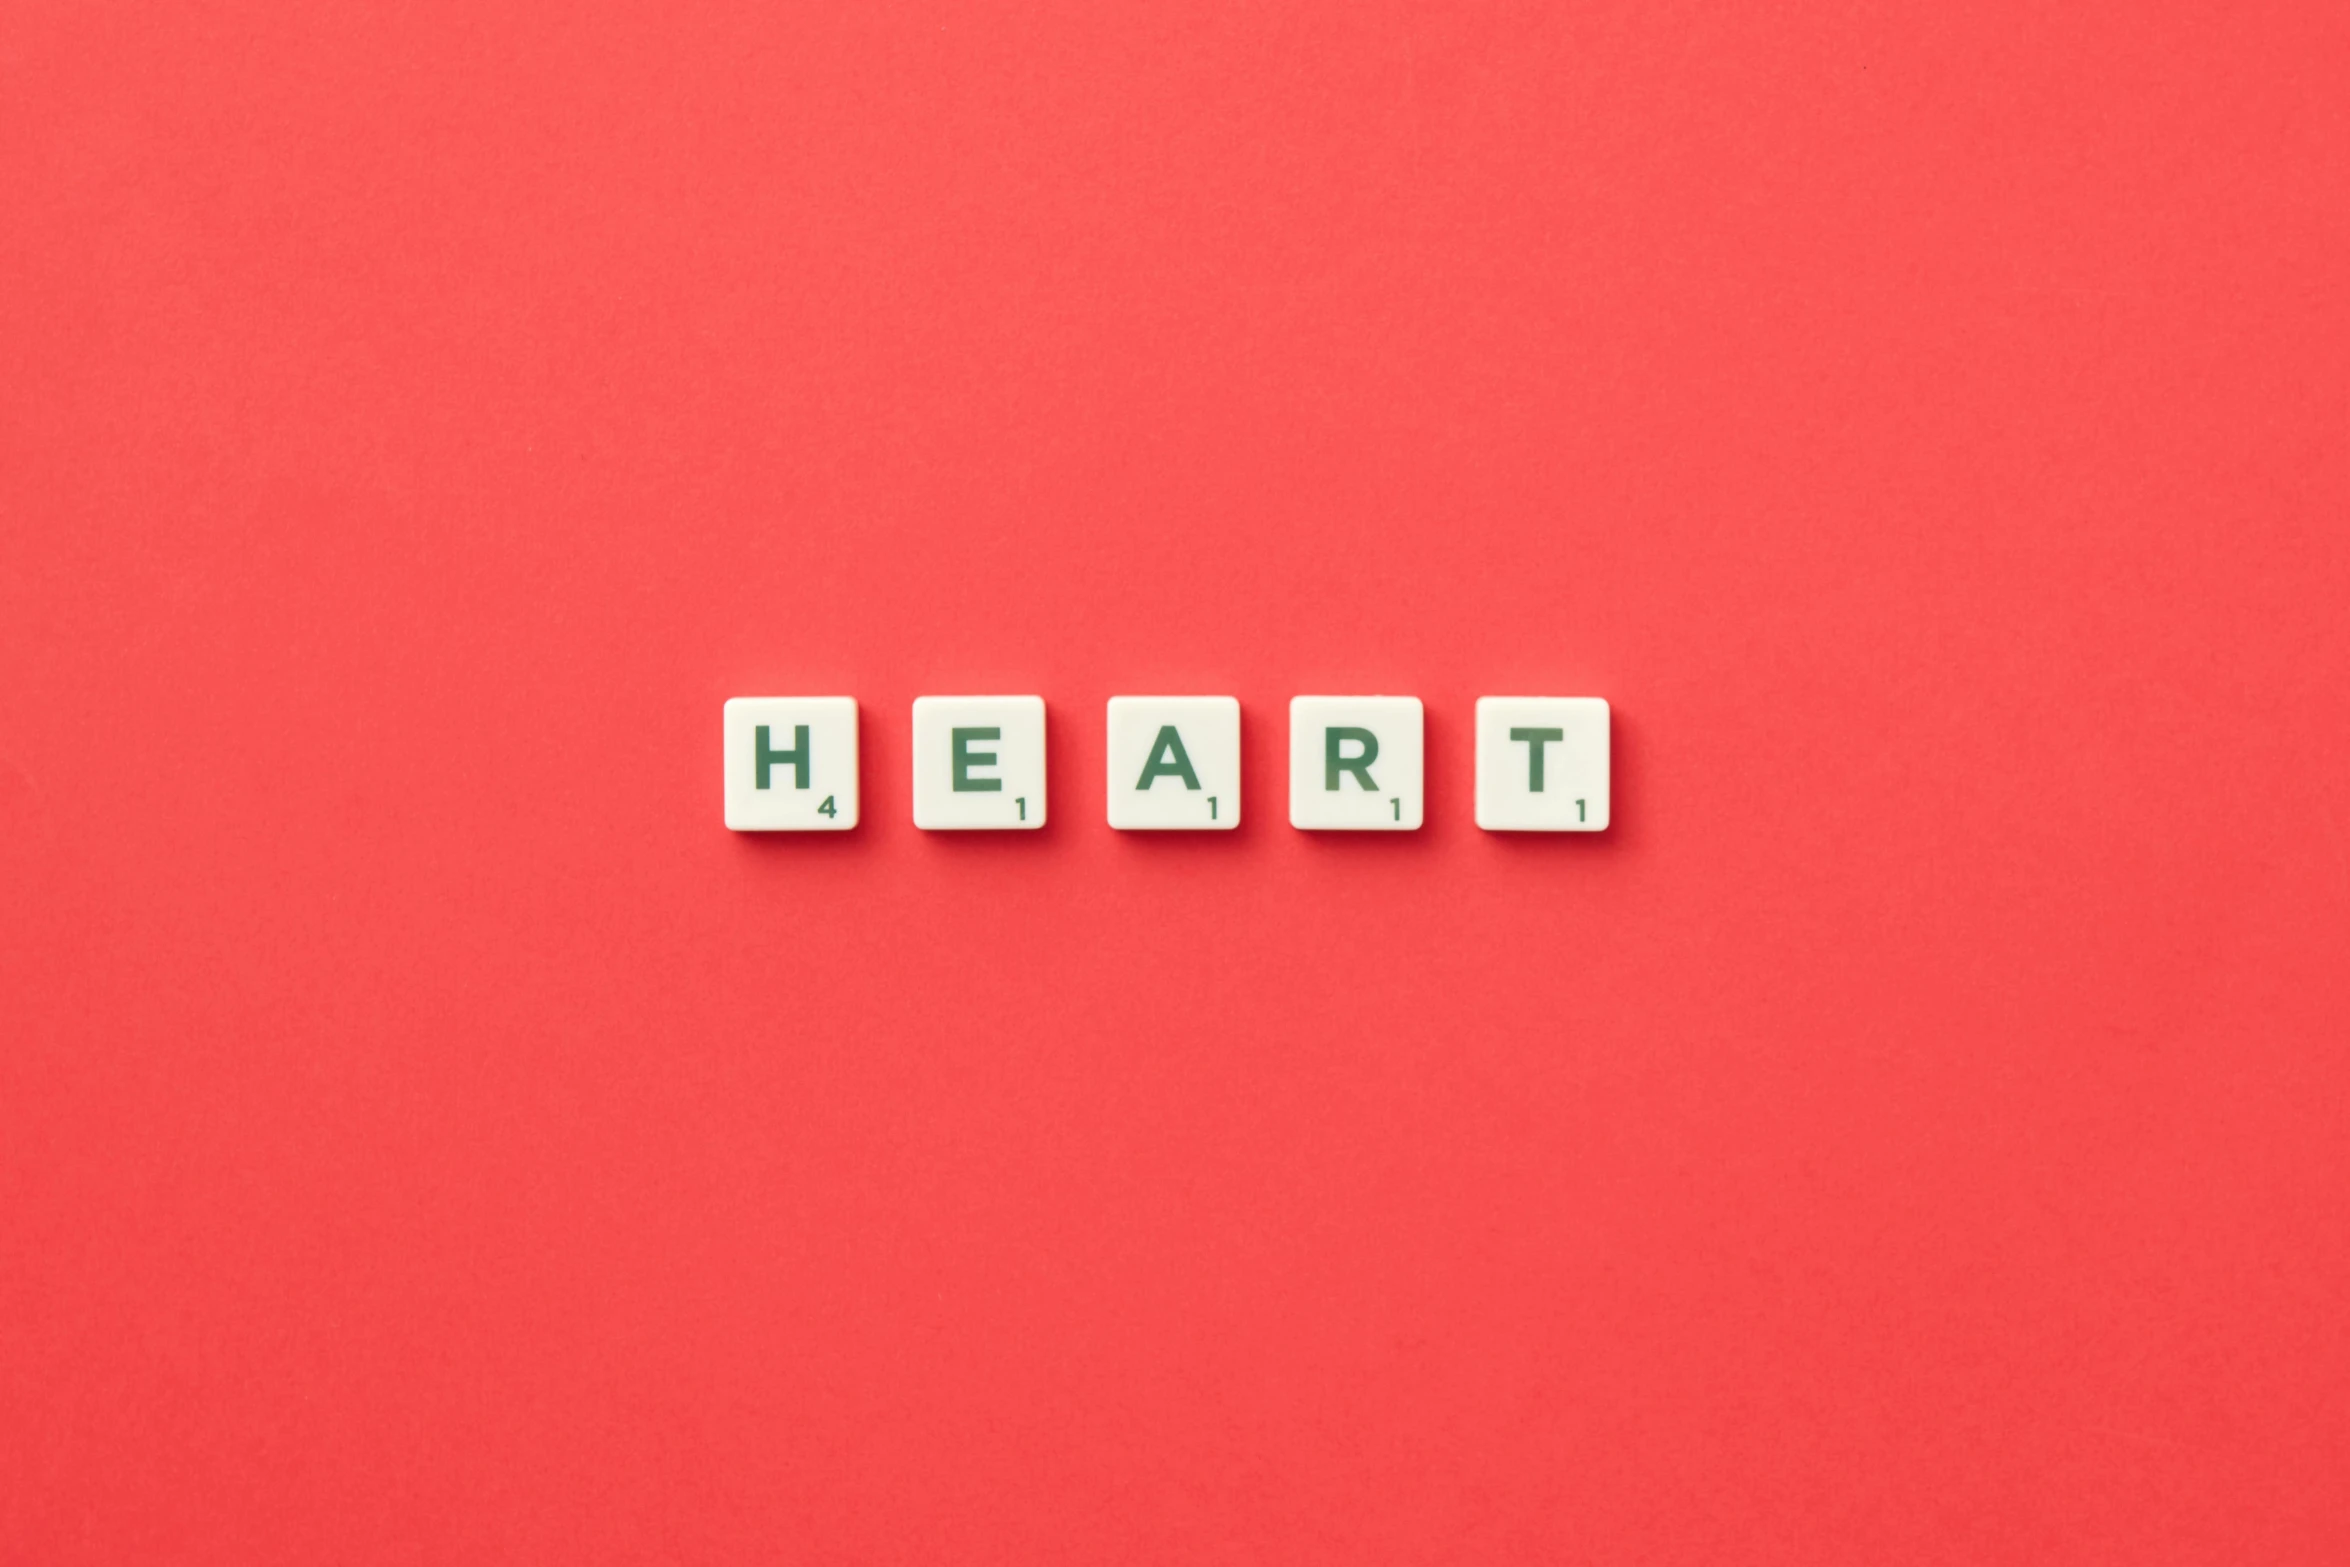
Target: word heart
{"points": [[1356, 763]]}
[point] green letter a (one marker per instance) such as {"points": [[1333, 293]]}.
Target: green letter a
{"points": [[1168, 759]]}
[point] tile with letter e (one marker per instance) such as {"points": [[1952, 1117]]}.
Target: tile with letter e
{"points": [[1174, 762], [1355, 763], [791, 763], [1542, 763], [978, 762]]}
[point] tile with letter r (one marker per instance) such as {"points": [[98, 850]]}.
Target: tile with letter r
{"points": [[978, 762], [791, 763], [1355, 763], [1174, 762], [1542, 763]]}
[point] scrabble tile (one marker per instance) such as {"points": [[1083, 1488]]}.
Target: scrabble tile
{"points": [[1355, 762], [791, 763], [1174, 762], [1542, 763], [978, 762]]}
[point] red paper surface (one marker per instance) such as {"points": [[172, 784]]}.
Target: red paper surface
{"points": [[1915, 1132]]}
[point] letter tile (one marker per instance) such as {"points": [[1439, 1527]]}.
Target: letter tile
{"points": [[791, 763], [978, 762], [1355, 763], [1542, 763], [1174, 762]]}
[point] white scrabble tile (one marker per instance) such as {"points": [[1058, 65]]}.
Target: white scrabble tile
{"points": [[1355, 762], [791, 763], [1542, 763], [978, 762], [1174, 762]]}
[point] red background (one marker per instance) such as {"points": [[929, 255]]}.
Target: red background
{"points": [[1915, 1132]]}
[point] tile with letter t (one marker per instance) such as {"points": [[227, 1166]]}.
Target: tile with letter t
{"points": [[791, 763], [1355, 763], [1542, 763], [978, 762], [1174, 762]]}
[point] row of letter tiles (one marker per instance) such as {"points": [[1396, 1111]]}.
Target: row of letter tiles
{"points": [[1355, 763]]}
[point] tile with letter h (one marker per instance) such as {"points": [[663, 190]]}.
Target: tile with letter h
{"points": [[791, 763]]}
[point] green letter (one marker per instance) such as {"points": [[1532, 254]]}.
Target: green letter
{"points": [[1336, 761], [1535, 740], [797, 756], [1169, 744], [966, 759]]}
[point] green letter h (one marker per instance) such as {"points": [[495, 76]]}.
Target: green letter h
{"points": [[797, 756]]}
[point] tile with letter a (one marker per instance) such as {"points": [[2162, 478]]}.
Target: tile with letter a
{"points": [[791, 763], [1355, 763], [978, 762], [1542, 763], [1174, 762]]}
